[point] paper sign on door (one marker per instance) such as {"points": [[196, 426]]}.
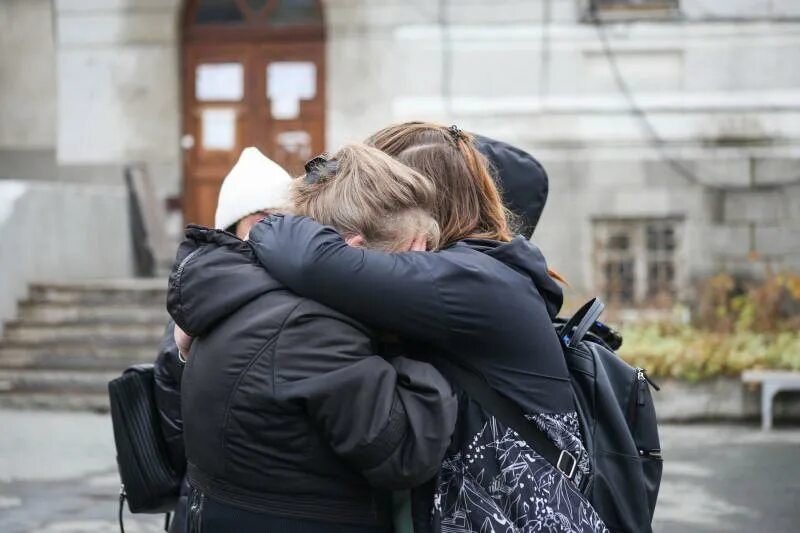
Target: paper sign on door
{"points": [[219, 129], [289, 82]]}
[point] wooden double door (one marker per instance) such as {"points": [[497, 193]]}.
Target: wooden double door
{"points": [[268, 95]]}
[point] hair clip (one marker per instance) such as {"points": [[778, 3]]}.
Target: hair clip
{"points": [[319, 167], [455, 132]]}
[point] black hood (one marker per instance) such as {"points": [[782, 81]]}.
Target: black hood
{"points": [[522, 181], [526, 258], [215, 274]]}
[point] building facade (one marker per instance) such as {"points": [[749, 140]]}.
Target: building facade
{"points": [[670, 128]]}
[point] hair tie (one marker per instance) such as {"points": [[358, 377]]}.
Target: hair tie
{"points": [[455, 132], [320, 167]]}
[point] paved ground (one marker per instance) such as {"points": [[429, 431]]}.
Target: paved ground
{"points": [[57, 475], [729, 478]]}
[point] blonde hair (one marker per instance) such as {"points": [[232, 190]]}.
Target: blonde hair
{"points": [[363, 191], [469, 204]]}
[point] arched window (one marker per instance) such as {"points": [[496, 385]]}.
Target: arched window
{"points": [[236, 19]]}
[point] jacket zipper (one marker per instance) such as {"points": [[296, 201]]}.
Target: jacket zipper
{"points": [[637, 394], [186, 259], [651, 454], [650, 381], [179, 275]]}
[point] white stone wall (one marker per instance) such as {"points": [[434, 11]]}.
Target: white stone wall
{"points": [[27, 75], [27, 89], [718, 82], [118, 88]]}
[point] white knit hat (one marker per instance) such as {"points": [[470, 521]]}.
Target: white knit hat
{"points": [[255, 183]]}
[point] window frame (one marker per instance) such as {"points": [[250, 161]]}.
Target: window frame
{"points": [[628, 9], [255, 26], [640, 255]]}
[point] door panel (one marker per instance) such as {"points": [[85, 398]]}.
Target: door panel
{"points": [[290, 105], [216, 92], [268, 95]]}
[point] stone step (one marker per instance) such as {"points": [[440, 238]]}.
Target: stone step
{"points": [[71, 339], [66, 357], [110, 292], [55, 381], [55, 402], [71, 333], [55, 313]]}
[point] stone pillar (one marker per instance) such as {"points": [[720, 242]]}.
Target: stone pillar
{"points": [[118, 79], [27, 90]]}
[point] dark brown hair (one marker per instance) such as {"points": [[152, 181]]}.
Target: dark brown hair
{"points": [[468, 204]]}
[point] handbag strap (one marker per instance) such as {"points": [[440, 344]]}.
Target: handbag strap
{"points": [[122, 497], [475, 385]]}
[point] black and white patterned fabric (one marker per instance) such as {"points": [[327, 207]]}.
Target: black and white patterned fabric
{"points": [[565, 431], [497, 484]]}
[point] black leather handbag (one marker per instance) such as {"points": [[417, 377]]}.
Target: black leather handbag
{"points": [[150, 483]]}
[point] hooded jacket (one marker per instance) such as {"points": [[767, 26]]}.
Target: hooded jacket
{"points": [[521, 179], [287, 410], [488, 305]]}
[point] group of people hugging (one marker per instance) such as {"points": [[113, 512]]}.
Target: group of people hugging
{"points": [[302, 381]]}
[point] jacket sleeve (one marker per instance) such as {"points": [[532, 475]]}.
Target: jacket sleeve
{"points": [[392, 291], [168, 371], [391, 421]]}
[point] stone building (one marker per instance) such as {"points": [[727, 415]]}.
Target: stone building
{"points": [[670, 128]]}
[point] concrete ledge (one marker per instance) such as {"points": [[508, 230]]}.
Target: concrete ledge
{"points": [[722, 398], [60, 231]]}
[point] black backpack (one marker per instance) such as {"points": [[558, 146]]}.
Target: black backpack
{"points": [[618, 421]]}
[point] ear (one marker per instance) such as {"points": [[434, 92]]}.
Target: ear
{"points": [[356, 241]]}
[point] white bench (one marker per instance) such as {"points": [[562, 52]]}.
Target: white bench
{"points": [[772, 382]]}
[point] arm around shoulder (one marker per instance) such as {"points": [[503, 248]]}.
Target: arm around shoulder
{"points": [[168, 371], [390, 421], [393, 291]]}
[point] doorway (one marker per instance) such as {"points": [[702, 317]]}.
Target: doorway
{"points": [[253, 75]]}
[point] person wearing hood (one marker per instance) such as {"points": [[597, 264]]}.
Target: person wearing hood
{"points": [[487, 300], [292, 421], [254, 187], [521, 179]]}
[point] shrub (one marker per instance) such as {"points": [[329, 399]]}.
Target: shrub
{"points": [[737, 326], [687, 352]]}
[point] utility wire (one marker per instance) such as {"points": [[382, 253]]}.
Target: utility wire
{"points": [[655, 140]]}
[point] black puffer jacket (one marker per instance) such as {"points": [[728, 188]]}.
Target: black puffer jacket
{"points": [[168, 370], [488, 305], [286, 408]]}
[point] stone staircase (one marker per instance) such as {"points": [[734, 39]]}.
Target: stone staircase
{"points": [[69, 340]]}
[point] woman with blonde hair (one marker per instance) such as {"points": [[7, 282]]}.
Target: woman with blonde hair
{"points": [[485, 301], [291, 418]]}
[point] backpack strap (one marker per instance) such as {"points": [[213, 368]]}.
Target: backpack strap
{"points": [[576, 327], [475, 385]]}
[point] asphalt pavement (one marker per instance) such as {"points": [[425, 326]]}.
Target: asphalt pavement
{"points": [[57, 475]]}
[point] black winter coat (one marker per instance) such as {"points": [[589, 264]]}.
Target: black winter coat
{"points": [[168, 370], [286, 408], [488, 305]]}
